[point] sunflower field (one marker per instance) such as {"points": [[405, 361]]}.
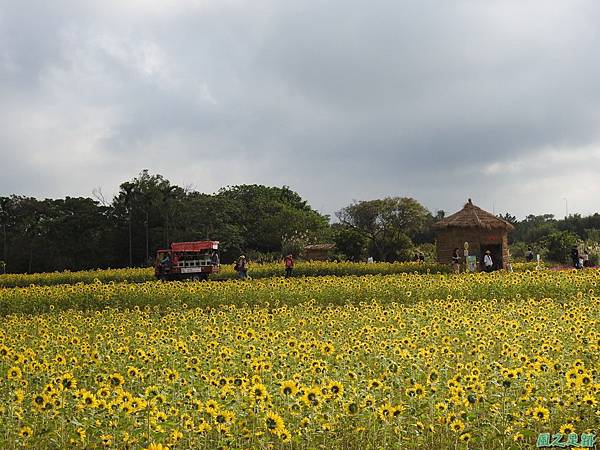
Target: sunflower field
{"points": [[409, 360], [263, 270]]}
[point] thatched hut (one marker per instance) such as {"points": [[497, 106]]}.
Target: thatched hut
{"points": [[481, 229]]}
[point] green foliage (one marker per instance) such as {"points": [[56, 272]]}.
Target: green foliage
{"points": [[295, 243], [267, 214], [537, 228], [592, 234], [349, 242], [519, 249], [53, 234], [257, 260], [534, 228], [388, 225], [559, 245], [509, 218], [212, 217], [148, 210], [429, 251], [147, 214], [393, 245]]}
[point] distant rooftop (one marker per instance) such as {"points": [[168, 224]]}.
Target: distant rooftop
{"points": [[320, 247]]}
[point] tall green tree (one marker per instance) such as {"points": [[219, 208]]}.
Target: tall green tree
{"points": [[267, 214], [146, 210], [349, 241], [213, 217], [559, 245], [388, 224], [534, 228], [6, 217]]}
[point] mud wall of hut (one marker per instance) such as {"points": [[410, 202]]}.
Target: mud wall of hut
{"points": [[450, 238]]}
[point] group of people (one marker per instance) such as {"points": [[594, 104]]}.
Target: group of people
{"points": [[488, 262], [580, 260], [168, 262], [419, 257], [241, 266]]}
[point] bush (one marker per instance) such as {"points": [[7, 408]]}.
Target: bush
{"points": [[559, 245]]}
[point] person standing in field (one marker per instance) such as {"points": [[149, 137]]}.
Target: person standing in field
{"points": [[586, 258], [166, 263], [289, 265], [529, 255], [214, 259], [575, 256], [242, 267], [456, 261], [487, 261]]}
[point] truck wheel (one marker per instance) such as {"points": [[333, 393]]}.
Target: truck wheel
{"points": [[196, 278]]}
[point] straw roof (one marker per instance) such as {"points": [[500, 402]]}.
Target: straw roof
{"points": [[472, 216]]}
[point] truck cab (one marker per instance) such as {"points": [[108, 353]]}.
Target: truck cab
{"points": [[188, 260]]}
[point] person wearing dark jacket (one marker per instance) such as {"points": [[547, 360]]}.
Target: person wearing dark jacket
{"points": [[575, 256], [242, 267], [214, 259], [529, 255]]}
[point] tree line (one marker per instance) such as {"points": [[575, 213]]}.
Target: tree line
{"points": [[553, 238], [149, 212]]}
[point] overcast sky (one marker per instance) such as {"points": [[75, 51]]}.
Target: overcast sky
{"points": [[341, 100]]}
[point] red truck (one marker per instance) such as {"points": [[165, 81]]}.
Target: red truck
{"points": [[188, 260]]}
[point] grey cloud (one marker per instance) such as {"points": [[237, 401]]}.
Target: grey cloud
{"points": [[342, 100]]}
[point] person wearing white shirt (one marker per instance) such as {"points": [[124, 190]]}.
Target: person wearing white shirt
{"points": [[487, 261]]}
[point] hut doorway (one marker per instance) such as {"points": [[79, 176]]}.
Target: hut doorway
{"points": [[496, 254], [481, 229]]}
